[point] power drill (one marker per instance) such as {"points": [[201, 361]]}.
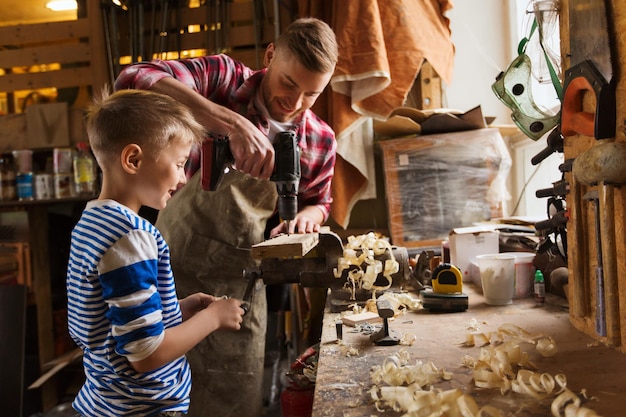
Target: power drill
{"points": [[216, 157]]}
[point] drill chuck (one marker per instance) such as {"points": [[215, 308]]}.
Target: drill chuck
{"points": [[287, 206]]}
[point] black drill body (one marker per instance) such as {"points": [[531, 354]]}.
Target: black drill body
{"points": [[287, 174], [216, 157]]}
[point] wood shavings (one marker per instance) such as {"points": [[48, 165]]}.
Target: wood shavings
{"points": [[395, 370], [408, 339], [401, 302], [404, 388], [356, 308], [363, 269], [502, 364], [567, 404], [473, 325], [473, 339], [419, 403], [536, 385], [352, 351]]}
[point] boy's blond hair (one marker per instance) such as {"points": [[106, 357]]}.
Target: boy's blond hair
{"points": [[312, 42], [146, 118]]}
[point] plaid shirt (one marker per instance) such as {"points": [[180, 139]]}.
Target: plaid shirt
{"points": [[233, 85]]}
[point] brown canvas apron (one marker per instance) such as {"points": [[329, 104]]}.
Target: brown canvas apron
{"points": [[210, 235]]}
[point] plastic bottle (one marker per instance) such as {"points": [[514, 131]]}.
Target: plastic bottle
{"points": [[84, 166], [540, 288]]}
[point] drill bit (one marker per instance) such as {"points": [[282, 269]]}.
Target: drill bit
{"points": [[288, 224]]}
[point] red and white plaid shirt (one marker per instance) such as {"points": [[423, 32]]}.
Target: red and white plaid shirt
{"points": [[233, 85]]}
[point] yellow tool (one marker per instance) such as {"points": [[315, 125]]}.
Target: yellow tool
{"points": [[447, 279], [447, 290]]}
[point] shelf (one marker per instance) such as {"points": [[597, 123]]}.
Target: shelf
{"points": [[47, 202]]}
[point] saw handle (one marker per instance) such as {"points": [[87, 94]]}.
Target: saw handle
{"points": [[581, 78]]}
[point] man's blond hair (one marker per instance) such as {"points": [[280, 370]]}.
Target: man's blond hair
{"points": [[312, 42]]}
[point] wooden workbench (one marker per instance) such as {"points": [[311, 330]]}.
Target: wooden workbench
{"points": [[343, 381]]}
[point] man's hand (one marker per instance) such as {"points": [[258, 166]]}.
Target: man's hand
{"points": [[252, 150], [308, 220]]}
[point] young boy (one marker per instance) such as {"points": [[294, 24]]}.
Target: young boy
{"points": [[122, 305]]}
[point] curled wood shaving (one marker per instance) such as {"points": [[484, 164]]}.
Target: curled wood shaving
{"points": [[408, 339], [363, 269], [502, 364], [473, 326], [536, 385], [352, 351], [401, 302], [567, 404], [416, 402], [395, 370]]}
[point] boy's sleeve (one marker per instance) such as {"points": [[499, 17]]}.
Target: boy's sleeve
{"points": [[128, 274]]}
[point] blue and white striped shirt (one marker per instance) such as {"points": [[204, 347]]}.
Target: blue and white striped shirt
{"points": [[121, 298]]}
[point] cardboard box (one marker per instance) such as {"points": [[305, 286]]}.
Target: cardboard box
{"points": [[467, 242]]}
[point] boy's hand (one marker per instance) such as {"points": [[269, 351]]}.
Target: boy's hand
{"points": [[193, 303], [228, 313]]}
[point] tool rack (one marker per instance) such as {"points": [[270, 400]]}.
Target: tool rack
{"points": [[582, 254]]}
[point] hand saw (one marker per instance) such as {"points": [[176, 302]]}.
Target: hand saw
{"points": [[590, 71]]}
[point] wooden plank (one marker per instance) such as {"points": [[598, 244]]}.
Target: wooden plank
{"points": [[353, 320], [609, 263], [60, 53], [428, 86], [98, 69], [71, 77], [237, 37], [47, 125], [248, 56], [286, 246], [244, 35], [45, 32], [57, 365]]}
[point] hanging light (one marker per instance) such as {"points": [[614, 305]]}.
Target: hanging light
{"points": [[61, 5]]}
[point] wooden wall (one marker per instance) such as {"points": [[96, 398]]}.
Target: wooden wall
{"points": [[68, 61], [582, 255]]}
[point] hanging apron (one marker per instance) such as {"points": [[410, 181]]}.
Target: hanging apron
{"points": [[210, 235]]}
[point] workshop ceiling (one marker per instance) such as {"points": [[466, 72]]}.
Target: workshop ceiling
{"points": [[30, 11]]}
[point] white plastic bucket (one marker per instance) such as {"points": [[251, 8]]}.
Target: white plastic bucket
{"points": [[524, 274], [497, 277]]}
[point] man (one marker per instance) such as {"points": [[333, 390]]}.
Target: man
{"points": [[211, 233]]}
